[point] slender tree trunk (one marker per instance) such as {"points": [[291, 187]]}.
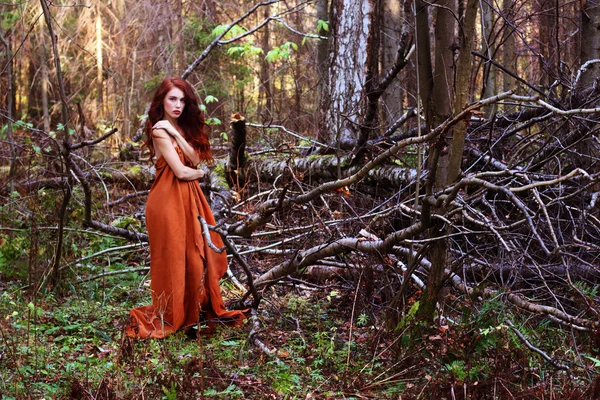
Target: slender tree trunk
{"points": [[65, 151], [489, 49], [543, 9], [436, 95], [265, 107], [180, 64], [370, 102], [323, 70], [9, 106], [424, 63], [461, 95], [392, 105], [443, 77], [509, 50], [99, 63], [125, 90], [45, 78]]}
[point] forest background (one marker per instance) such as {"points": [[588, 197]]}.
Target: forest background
{"points": [[407, 191]]}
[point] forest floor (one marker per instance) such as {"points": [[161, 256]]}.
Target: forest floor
{"points": [[325, 345]]}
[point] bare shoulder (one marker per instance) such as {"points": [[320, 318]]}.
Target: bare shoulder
{"points": [[160, 133]]}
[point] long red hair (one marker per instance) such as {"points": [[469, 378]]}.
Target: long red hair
{"points": [[191, 120]]}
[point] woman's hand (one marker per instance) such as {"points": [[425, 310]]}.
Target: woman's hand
{"points": [[166, 125]]}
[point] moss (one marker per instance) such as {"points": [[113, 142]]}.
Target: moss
{"points": [[219, 174]]}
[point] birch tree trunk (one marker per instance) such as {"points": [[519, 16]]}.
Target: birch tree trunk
{"points": [[350, 49], [590, 40]]}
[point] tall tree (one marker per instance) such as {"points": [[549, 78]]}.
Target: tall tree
{"points": [[436, 93]]}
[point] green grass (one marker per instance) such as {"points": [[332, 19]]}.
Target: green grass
{"points": [[63, 347], [72, 347]]}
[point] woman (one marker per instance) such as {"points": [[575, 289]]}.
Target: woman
{"points": [[184, 271]]}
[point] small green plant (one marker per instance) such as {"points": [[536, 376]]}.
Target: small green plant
{"points": [[232, 32], [457, 369], [362, 320], [282, 52], [588, 290]]}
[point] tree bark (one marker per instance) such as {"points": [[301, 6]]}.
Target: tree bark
{"points": [[99, 64], [265, 106], [9, 106], [351, 51], [509, 49], [323, 70], [590, 40], [489, 48], [392, 102], [237, 152], [546, 55], [461, 95], [45, 78], [53, 274], [436, 95]]}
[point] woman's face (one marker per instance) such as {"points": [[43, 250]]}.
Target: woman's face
{"points": [[174, 103]]}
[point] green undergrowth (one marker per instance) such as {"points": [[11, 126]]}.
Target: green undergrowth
{"points": [[323, 344], [72, 347]]}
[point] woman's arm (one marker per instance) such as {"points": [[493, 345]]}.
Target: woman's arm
{"points": [[164, 147], [187, 149]]}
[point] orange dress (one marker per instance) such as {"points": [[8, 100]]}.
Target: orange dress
{"points": [[184, 271]]}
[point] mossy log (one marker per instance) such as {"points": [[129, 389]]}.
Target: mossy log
{"points": [[325, 167]]}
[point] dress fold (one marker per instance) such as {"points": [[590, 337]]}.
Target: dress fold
{"points": [[184, 271]]}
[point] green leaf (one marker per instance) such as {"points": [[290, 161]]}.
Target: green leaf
{"points": [[213, 121], [210, 99], [272, 55], [322, 26], [595, 360], [234, 31], [245, 50], [235, 51]]}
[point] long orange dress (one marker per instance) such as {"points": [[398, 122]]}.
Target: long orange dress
{"points": [[184, 271]]}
